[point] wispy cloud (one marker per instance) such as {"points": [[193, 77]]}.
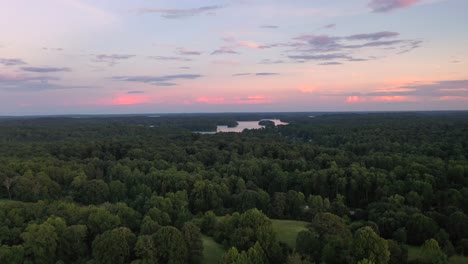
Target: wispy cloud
{"points": [[11, 62], [320, 57], [21, 82], [226, 62], [165, 80], [269, 26], [45, 69], [380, 6], [168, 58], [374, 36], [254, 99], [330, 63], [183, 51], [52, 49], [266, 73], [256, 74], [246, 44], [112, 59], [268, 61], [436, 90], [224, 50], [174, 13], [241, 74], [326, 47], [136, 92]]}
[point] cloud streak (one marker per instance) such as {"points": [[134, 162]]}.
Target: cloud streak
{"points": [[224, 50], [11, 62], [169, 58], [165, 80], [266, 73], [45, 69], [382, 6], [112, 59], [183, 51], [32, 83], [269, 26], [174, 13]]}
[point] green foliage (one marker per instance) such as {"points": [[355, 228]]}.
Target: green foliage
{"points": [[170, 244], [368, 245], [14, 254], [420, 228], [145, 249], [114, 246], [193, 240], [66, 182], [431, 253], [398, 253], [40, 242]]}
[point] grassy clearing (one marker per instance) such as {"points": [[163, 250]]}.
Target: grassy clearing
{"points": [[287, 230], [212, 251], [415, 253]]}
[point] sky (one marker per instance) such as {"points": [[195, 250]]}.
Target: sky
{"points": [[173, 56]]}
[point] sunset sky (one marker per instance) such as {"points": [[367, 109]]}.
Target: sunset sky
{"points": [[157, 56]]}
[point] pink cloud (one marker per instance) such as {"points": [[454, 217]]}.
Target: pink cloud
{"points": [[454, 98], [362, 99], [355, 99], [225, 62], [390, 98], [211, 100], [307, 89], [254, 99], [389, 5], [126, 99], [246, 43]]}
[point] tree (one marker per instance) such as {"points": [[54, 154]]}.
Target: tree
{"points": [[309, 244], [40, 242], [463, 247], [146, 250], [368, 245], [117, 191], [95, 192], [193, 240], [420, 228], [256, 255], [208, 222], [432, 254], [170, 244], [336, 250], [325, 224], [8, 183], [457, 226], [398, 254], [100, 220], [72, 247], [231, 256], [149, 226], [114, 246], [13, 254]]}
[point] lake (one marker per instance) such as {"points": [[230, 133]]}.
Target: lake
{"points": [[246, 125]]}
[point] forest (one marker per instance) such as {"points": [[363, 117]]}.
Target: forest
{"points": [[327, 188]]}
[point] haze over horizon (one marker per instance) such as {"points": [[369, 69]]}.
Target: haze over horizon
{"points": [[122, 57]]}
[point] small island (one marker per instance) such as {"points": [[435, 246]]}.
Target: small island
{"points": [[266, 123]]}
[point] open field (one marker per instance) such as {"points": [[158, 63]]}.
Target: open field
{"points": [[287, 230], [212, 251], [415, 253]]}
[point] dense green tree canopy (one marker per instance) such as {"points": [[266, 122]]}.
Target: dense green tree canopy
{"points": [[71, 187]]}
